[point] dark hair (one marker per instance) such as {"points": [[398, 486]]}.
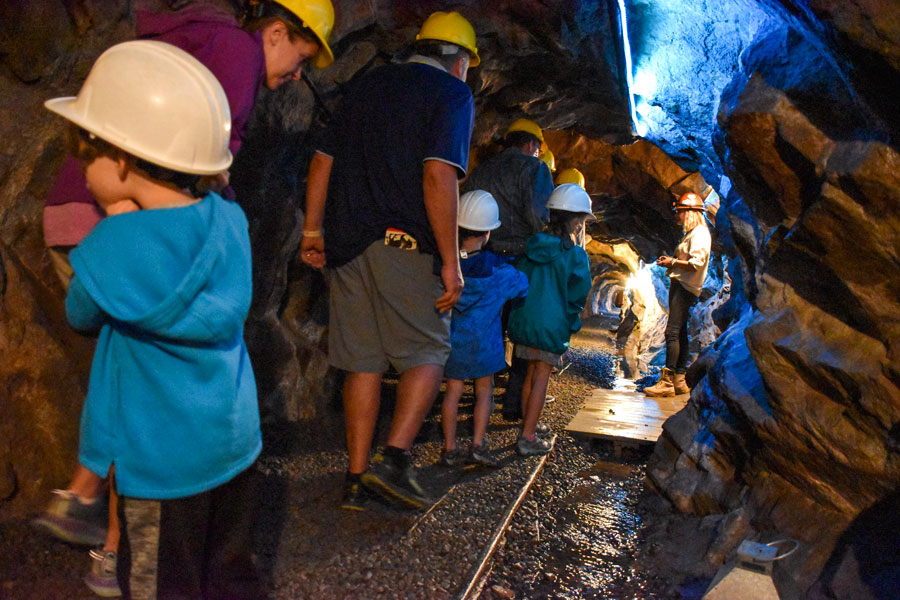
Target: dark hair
{"points": [[438, 50], [264, 14], [86, 146], [519, 139], [465, 234], [559, 225]]}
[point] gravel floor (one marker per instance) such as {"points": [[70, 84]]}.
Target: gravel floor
{"points": [[576, 536]]}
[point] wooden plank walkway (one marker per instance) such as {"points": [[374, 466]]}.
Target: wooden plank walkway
{"points": [[624, 415]]}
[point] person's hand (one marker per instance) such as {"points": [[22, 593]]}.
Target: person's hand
{"points": [[453, 285], [665, 261], [312, 251]]}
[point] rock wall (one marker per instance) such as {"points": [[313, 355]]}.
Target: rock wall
{"points": [[792, 426]]}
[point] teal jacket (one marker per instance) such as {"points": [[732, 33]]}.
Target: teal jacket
{"points": [[172, 398], [559, 280]]}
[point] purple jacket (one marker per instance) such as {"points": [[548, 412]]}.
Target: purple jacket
{"points": [[213, 37]]}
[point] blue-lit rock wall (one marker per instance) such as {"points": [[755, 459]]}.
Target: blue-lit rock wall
{"points": [[792, 426]]}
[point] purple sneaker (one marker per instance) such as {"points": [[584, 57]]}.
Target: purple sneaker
{"points": [[73, 521], [102, 577]]}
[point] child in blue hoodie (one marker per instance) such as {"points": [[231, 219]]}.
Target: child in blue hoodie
{"points": [[559, 278], [172, 399], [476, 339]]}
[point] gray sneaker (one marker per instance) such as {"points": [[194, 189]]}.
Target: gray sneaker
{"points": [[453, 458], [542, 430], [73, 521], [539, 446], [102, 578], [480, 456]]}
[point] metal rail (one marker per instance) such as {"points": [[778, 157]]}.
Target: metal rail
{"points": [[473, 587]]}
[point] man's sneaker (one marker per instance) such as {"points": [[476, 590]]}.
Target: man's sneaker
{"points": [[480, 455], [539, 446], [542, 430], [355, 495], [73, 521], [393, 483], [452, 458], [102, 577]]}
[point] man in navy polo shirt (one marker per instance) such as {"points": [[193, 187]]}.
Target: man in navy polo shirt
{"points": [[389, 166]]}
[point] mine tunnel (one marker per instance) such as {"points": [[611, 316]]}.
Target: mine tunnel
{"points": [[782, 114]]}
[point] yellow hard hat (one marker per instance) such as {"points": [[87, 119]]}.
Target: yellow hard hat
{"points": [[318, 17], [570, 176], [547, 157], [528, 126], [451, 27]]}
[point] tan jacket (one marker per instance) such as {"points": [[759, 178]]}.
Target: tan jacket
{"points": [[694, 248]]}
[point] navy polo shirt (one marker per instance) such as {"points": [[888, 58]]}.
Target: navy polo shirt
{"points": [[390, 122]]}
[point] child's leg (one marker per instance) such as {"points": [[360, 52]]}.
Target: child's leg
{"points": [[194, 547], [450, 412], [526, 388], [112, 532], [86, 484], [540, 377], [484, 392]]}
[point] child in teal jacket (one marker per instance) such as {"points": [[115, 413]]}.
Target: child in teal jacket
{"points": [[559, 279]]}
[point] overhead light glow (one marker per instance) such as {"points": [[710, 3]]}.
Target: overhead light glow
{"points": [[627, 51]]}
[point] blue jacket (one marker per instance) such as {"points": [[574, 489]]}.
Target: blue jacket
{"points": [[172, 397], [559, 281], [476, 336]]}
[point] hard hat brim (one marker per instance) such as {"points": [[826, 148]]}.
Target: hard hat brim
{"points": [[325, 57], [65, 107]]}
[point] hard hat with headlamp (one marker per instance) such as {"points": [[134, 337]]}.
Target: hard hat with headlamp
{"points": [[688, 201]]}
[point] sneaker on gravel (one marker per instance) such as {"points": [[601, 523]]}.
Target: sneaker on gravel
{"points": [[536, 447], [74, 521], [355, 495], [394, 484], [480, 456], [452, 458], [102, 577], [542, 430]]}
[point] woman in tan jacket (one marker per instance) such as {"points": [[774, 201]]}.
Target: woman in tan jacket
{"points": [[687, 270]]}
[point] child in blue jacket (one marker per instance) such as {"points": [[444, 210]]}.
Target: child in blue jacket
{"points": [[476, 339], [559, 278], [166, 279]]}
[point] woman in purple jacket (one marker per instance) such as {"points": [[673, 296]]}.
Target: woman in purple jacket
{"points": [[278, 38]]}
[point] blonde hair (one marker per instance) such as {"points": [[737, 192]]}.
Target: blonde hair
{"points": [[692, 219]]}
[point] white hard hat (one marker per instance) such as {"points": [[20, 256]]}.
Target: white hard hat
{"points": [[157, 102], [570, 197], [478, 211]]}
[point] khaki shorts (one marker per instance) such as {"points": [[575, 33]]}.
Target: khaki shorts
{"points": [[530, 353], [382, 313]]}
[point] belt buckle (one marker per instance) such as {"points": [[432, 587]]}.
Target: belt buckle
{"points": [[398, 238]]}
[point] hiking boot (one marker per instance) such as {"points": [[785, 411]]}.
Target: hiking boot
{"points": [[542, 430], [452, 458], [664, 388], [394, 483], [480, 456], [680, 385], [536, 447], [74, 521], [102, 577], [355, 495]]}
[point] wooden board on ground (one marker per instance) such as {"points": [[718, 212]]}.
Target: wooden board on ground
{"points": [[625, 416]]}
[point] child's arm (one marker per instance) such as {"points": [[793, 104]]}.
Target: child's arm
{"points": [[82, 312], [579, 286]]}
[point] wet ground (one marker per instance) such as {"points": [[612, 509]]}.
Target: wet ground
{"points": [[577, 535]]}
